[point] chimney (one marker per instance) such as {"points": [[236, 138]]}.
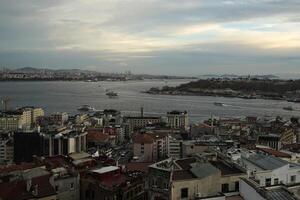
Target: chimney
{"points": [[142, 112]]}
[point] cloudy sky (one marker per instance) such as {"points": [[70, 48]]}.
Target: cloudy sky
{"points": [[184, 37]]}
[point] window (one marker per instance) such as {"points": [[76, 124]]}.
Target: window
{"points": [[237, 186], [72, 186], [268, 181], [276, 181], [293, 178], [56, 188], [87, 194], [184, 192], [225, 187]]}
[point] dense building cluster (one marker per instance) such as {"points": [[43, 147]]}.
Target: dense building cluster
{"points": [[108, 156]]}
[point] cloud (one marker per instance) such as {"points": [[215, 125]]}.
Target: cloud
{"points": [[231, 34]]}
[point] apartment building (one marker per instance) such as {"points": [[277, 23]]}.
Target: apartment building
{"points": [[178, 120]]}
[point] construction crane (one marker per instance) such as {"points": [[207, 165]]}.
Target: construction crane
{"points": [[5, 101]]}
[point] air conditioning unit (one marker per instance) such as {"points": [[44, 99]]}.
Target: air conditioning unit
{"points": [[198, 195]]}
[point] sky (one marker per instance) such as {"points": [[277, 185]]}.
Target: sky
{"points": [[176, 37]]}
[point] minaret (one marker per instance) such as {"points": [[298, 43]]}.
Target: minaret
{"points": [[142, 112]]}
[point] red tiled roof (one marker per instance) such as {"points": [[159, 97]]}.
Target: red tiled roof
{"points": [[274, 152], [56, 161], [17, 190], [138, 166], [98, 137], [143, 138], [185, 163], [182, 175], [11, 168]]}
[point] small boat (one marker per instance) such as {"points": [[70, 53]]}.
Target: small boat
{"points": [[290, 108], [111, 94], [218, 104], [86, 108]]}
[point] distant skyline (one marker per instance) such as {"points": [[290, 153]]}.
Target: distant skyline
{"points": [[174, 37]]}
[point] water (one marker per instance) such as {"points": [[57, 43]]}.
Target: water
{"points": [[68, 96]]}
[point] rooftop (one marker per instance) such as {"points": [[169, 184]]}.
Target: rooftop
{"points": [[143, 138], [78, 156], [274, 152], [202, 170], [105, 169], [266, 162], [226, 169]]}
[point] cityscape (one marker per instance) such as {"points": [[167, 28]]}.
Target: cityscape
{"points": [[150, 100]]}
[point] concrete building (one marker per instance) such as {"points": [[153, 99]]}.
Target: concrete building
{"points": [[190, 178], [34, 183], [270, 170], [135, 123], [178, 120], [10, 122], [59, 118], [6, 149], [111, 183], [66, 184], [48, 143], [24, 117], [250, 190], [30, 115], [149, 147], [174, 147]]}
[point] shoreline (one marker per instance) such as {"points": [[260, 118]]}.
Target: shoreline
{"points": [[178, 93]]}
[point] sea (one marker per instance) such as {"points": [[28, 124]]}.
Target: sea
{"points": [[67, 96]]}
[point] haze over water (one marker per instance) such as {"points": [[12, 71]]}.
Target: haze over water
{"points": [[68, 96]]}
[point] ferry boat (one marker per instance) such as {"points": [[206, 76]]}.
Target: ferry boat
{"points": [[86, 108], [111, 94], [290, 108], [218, 104]]}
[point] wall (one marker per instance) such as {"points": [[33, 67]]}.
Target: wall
{"points": [[249, 193], [208, 186]]}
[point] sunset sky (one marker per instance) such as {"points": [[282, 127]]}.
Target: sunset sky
{"points": [[183, 37]]}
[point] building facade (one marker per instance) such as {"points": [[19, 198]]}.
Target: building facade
{"points": [[178, 120]]}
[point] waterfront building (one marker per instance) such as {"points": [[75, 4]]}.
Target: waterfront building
{"points": [[135, 123], [30, 115], [178, 120], [10, 121]]}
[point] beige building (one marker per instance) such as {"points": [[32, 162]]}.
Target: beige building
{"points": [[30, 115], [150, 147], [21, 118], [190, 178], [178, 120], [9, 122], [135, 123]]}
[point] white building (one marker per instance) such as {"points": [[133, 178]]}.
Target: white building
{"points": [[178, 120], [174, 147], [270, 170], [6, 150]]}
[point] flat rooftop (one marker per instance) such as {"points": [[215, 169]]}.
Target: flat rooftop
{"points": [[105, 169], [226, 169]]}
